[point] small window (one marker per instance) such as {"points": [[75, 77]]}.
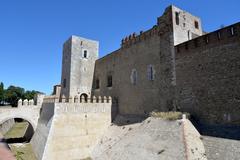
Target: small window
{"points": [[196, 24], [207, 39], [64, 83], [97, 84], [189, 34], [150, 73], [109, 81], [85, 54], [177, 18], [184, 24], [134, 77], [219, 35], [232, 31]]}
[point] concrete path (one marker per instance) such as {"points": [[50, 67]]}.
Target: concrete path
{"points": [[221, 149]]}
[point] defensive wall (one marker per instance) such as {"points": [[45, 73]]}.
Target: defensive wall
{"points": [[71, 128], [208, 76], [128, 66], [140, 55]]}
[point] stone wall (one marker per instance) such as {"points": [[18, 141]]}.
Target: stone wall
{"points": [[77, 70], [138, 52], [208, 76], [185, 29], [25, 110], [71, 129], [6, 126], [41, 134]]}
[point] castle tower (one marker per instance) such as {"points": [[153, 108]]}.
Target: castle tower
{"points": [[185, 25], [79, 56]]}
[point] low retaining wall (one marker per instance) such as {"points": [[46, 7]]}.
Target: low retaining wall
{"points": [[76, 129], [71, 129], [194, 148], [40, 136]]}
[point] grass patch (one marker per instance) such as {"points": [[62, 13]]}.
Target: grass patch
{"points": [[17, 131], [172, 116], [23, 151]]}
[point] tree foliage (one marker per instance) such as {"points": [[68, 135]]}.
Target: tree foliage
{"points": [[12, 94], [1, 93]]}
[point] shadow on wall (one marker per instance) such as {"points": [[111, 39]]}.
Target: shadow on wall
{"points": [[26, 138], [121, 120], [221, 131]]}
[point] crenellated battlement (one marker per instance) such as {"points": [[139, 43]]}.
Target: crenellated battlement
{"points": [[26, 102], [78, 99], [142, 36], [162, 26], [222, 36]]}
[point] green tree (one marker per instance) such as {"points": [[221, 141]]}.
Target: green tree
{"points": [[13, 94], [30, 94], [1, 93]]}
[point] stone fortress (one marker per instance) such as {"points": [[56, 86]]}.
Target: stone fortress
{"points": [[174, 66]]}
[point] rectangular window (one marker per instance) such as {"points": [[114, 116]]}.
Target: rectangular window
{"points": [[219, 35], [109, 81], [97, 84], [207, 39], [232, 31], [64, 83], [189, 34], [196, 24], [177, 18]]}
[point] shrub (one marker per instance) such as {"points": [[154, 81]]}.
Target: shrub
{"points": [[168, 115]]}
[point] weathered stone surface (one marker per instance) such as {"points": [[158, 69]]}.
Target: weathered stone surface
{"points": [[77, 70], [71, 130], [208, 79], [29, 113], [221, 149], [151, 139]]}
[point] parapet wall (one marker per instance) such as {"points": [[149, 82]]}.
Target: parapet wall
{"points": [[207, 71], [225, 35], [76, 127], [142, 36]]}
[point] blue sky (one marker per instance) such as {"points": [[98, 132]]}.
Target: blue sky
{"points": [[32, 32]]}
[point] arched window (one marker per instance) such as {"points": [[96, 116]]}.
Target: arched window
{"points": [[150, 72], [134, 77]]}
